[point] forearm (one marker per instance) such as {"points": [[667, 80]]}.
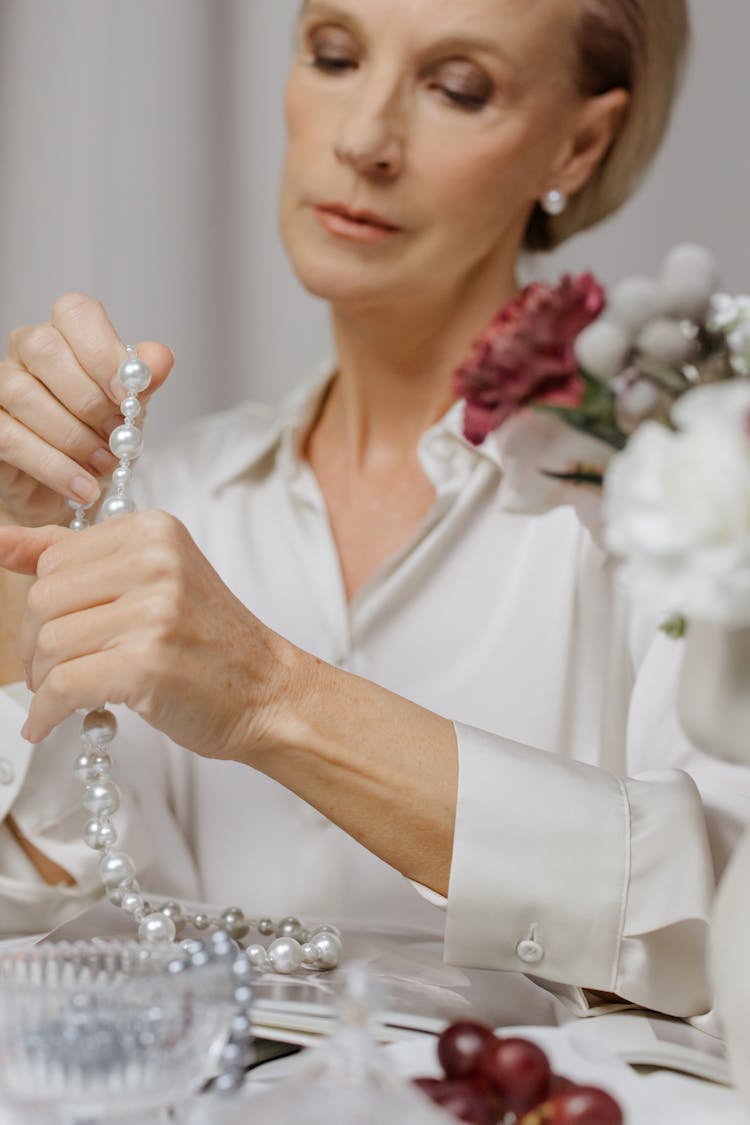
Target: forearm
{"points": [[382, 768]]}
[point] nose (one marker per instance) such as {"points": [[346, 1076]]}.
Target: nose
{"points": [[370, 137]]}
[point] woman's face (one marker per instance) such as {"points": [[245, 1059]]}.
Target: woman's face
{"points": [[420, 135]]}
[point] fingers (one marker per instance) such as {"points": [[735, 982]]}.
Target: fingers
{"points": [[21, 547], [81, 683], [59, 396]]}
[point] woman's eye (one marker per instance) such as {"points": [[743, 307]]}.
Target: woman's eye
{"points": [[333, 63], [471, 102]]}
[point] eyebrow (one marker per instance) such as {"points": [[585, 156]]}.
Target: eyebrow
{"points": [[453, 42]]}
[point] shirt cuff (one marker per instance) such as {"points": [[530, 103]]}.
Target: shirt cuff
{"points": [[540, 868]]}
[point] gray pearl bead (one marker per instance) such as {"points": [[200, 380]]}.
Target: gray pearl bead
{"points": [[285, 955], [290, 927], [235, 921], [101, 797], [134, 375], [126, 442], [83, 766], [115, 506], [201, 921], [174, 911], [99, 727], [116, 868], [327, 929], [266, 927], [79, 524], [155, 929]]}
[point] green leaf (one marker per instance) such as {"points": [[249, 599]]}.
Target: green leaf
{"points": [[675, 626]]}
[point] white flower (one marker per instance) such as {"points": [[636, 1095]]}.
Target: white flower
{"points": [[731, 315], [688, 278], [677, 508], [532, 445]]}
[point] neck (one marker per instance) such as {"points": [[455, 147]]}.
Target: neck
{"points": [[396, 368]]}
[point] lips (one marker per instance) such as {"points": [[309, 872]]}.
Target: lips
{"points": [[360, 218]]}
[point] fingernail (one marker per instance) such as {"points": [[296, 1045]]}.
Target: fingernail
{"points": [[102, 461], [84, 489], [25, 731]]}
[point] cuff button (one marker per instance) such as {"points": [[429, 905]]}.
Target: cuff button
{"points": [[529, 951]]}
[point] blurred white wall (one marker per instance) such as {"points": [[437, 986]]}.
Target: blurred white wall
{"points": [[140, 143]]}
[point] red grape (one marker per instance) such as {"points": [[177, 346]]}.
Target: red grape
{"points": [[585, 1105], [558, 1083], [460, 1047], [459, 1097], [517, 1071]]}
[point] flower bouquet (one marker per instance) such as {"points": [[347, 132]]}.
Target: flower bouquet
{"points": [[637, 412]]}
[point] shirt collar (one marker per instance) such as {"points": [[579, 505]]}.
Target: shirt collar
{"points": [[286, 424]]}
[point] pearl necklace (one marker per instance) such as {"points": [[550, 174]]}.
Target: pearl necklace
{"points": [[293, 946]]}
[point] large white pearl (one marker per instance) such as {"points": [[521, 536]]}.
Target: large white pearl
{"points": [[131, 902], [115, 506], [126, 442], [328, 928], [116, 868], [156, 929], [99, 726], [101, 797], [285, 955], [134, 375], [328, 949]]}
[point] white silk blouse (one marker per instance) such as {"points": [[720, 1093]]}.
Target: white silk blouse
{"points": [[589, 832]]}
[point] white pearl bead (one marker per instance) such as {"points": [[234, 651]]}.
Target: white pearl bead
{"points": [[122, 476], [82, 767], [116, 868], [201, 921], [79, 525], [131, 902], [99, 834], [328, 928], [257, 956], [285, 955], [99, 726], [101, 797], [266, 927], [134, 375], [157, 930], [310, 955], [328, 949], [130, 407], [126, 442], [115, 506]]}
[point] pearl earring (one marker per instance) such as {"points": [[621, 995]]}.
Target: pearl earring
{"points": [[554, 201]]}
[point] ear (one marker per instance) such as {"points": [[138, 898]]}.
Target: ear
{"points": [[594, 128]]}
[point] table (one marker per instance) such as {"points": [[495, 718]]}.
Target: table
{"points": [[419, 993]]}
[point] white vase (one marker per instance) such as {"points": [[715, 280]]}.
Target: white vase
{"points": [[714, 708]]}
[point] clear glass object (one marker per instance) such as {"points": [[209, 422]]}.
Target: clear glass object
{"points": [[99, 1032]]}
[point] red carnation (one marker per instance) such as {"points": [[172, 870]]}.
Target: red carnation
{"points": [[527, 354]]}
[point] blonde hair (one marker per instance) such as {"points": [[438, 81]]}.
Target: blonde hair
{"points": [[641, 46]]}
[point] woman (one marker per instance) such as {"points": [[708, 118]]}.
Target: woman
{"points": [[364, 534]]}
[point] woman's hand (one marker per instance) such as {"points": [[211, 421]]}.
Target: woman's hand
{"points": [[131, 612], [58, 405]]}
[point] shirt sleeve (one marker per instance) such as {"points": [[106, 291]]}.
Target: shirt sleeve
{"points": [[591, 880], [45, 799]]}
